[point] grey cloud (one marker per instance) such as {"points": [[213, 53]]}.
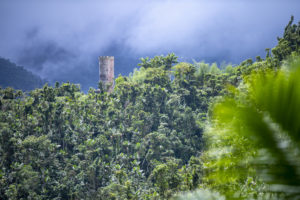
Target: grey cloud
{"points": [[61, 40], [206, 29]]}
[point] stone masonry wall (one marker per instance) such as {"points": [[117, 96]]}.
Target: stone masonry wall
{"points": [[106, 70]]}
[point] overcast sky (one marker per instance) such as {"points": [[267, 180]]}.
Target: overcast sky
{"points": [[61, 39]]}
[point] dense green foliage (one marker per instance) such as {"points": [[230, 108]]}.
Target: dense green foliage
{"points": [[17, 77], [150, 137], [140, 141], [289, 43], [253, 138], [252, 135]]}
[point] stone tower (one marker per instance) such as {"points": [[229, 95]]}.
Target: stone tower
{"points": [[106, 70]]}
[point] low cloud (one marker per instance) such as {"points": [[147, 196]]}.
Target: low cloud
{"points": [[61, 40]]}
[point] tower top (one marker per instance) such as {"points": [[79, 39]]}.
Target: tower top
{"points": [[106, 57]]}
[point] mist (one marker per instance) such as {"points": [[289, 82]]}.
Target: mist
{"points": [[61, 40]]}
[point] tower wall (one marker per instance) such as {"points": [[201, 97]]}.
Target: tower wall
{"points": [[106, 71]]}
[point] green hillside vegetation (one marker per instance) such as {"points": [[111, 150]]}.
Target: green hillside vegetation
{"points": [[17, 77], [167, 129]]}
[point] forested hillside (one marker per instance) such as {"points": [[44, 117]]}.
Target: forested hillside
{"points": [[167, 128], [17, 77]]}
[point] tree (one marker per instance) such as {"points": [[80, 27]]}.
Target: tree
{"points": [[257, 128], [290, 42]]}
